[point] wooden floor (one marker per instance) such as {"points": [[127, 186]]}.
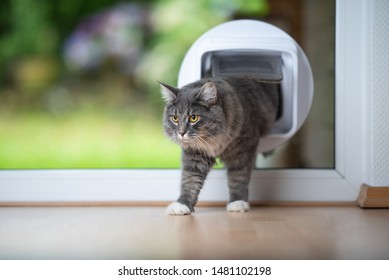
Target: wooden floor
{"points": [[211, 233]]}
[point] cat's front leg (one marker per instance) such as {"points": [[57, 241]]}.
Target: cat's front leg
{"points": [[195, 168]]}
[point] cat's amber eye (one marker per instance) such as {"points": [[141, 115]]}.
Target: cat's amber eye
{"points": [[193, 118], [174, 119]]}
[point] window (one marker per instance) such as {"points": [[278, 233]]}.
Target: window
{"points": [[101, 108], [336, 178]]}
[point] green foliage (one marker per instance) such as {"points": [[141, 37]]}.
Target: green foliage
{"points": [[178, 23], [32, 137], [84, 140], [26, 28]]}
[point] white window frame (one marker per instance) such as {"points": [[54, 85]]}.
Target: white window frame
{"points": [[331, 185]]}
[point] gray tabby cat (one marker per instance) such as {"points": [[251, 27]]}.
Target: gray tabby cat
{"points": [[218, 117]]}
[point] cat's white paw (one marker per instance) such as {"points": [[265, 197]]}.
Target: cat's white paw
{"points": [[177, 208], [238, 206]]}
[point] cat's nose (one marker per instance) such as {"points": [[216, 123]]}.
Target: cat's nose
{"points": [[181, 134], [182, 130]]}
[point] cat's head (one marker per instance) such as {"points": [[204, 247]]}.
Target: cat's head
{"points": [[193, 116]]}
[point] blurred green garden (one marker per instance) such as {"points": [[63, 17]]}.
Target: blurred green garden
{"points": [[78, 78]]}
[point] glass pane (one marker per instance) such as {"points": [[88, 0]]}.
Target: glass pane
{"points": [[312, 25], [78, 80]]}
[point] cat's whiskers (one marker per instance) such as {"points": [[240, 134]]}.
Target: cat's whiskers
{"points": [[210, 137], [198, 146], [205, 145], [207, 140], [222, 143], [174, 139]]}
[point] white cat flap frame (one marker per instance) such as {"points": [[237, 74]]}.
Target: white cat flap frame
{"points": [[264, 43], [342, 183]]}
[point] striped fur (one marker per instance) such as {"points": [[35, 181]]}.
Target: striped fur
{"points": [[233, 113]]}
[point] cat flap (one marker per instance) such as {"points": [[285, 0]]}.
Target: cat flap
{"points": [[266, 66], [255, 48]]}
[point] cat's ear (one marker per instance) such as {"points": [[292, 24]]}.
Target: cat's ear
{"points": [[208, 93], [169, 93]]}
